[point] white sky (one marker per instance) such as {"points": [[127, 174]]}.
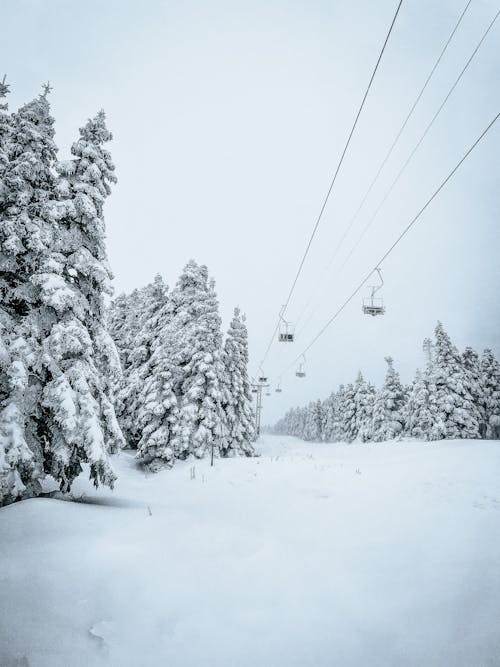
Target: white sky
{"points": [[229, 118]]}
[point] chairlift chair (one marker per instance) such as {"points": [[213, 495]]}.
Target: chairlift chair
{"points": [[285, 332], [262, 377], [374, 305], [300, 372]]}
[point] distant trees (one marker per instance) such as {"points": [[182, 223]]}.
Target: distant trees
{"points": [[184, 391], [455, 396]]}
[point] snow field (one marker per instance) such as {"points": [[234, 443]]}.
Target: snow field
{"points": [[311, 554]]}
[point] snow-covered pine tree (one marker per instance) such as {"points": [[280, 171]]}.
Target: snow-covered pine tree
{"points": [[347, 410], [198, 352], [364, 400], [122, 323], [84, 185], [451, 404], [490, 371], [76, 419], [128, 313], [418, 418], [313, 422], [329, 412], [26, 237], [388, 408], [472, 367], [5, 129], [239, 429], [148, 329], [153, 410]]}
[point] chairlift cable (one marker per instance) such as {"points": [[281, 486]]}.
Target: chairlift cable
{"points": [[337, 170], [396, 242], [386, 158], [412, 153]]}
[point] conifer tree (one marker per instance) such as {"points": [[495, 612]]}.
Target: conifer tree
{"points": [[364, 400], [418, 418], [329, 411], [239, 429], [347, 409], [146, 329], [198, 351], [55, 256], [474, 377], [26, 238], [490, 371], [451, 404], [153, 405], [388, 415], [5, 129], [79, 394]]}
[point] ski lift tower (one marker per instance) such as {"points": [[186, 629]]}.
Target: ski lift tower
{"points": [[257, 388]]}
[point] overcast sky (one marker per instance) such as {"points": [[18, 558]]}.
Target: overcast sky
{"points": [[229, 118]]}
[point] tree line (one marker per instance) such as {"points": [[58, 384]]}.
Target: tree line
{"points": [[184, 390], [457, 395], [65, 402]]}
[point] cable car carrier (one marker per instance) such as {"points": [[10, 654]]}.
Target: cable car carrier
{"points": [[286, 332], [374, 305]]}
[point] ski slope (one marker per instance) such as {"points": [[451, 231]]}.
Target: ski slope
{"points": [[312, 554]]}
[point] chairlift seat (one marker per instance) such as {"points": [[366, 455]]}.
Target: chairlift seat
{"points": [[373, 307], [285, 337], [300, 374]]}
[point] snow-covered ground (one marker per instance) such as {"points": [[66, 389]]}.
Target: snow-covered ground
{"points": [[369, 555]]}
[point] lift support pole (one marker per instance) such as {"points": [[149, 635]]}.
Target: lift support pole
{"points": [[259, 386]]}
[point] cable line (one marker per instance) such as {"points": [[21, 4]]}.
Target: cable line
{"points": [[417, 145], [414, 150], [339, 165], [393, 246], [386, 158]]}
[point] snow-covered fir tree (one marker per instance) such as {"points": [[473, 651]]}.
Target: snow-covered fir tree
{"points": [[75, 289], [347, 409], [123, 324], [60, 360], [199, 357], [472, 367], [127, 315], [364, 400], [454, 414], [5, 128], [26, 236], [490, 377], [388, 408], [153, 404], [239, 424], [330, 416], [313, 422], [149, 323], [418, 418]]}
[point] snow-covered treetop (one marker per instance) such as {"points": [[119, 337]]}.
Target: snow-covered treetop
{"points": [[4, 90], [93, 170]]}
